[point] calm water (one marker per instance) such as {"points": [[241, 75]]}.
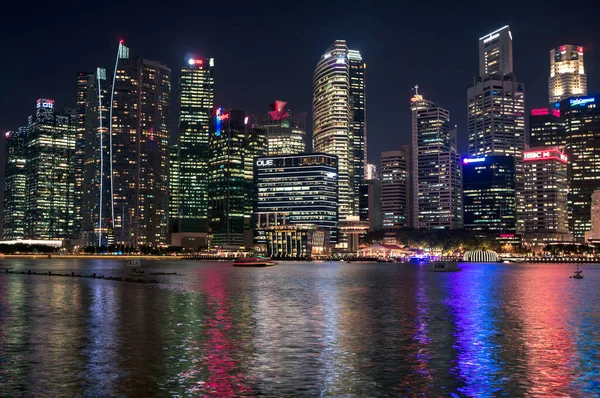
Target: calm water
{"points": [[309, 329]]}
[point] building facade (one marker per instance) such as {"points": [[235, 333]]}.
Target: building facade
{"points": [[233, 146], [437, 186], [395, 188], [197, 100], [546, 128], [49, 208], [489, 194], [285, 130], [15, 184], [594, 233], [140, 135], [567, 73], [296, 241], [581, 116], [297, 189], [545, 195], [338, 114]]}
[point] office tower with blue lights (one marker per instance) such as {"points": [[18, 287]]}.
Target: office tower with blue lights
{"points": [[49, 201], [436, 168], [15, 184], [581, 116], [396, 198], [567, 73], [234, 144], [140, 129], [189, 188], [339, 119], [285, 130]]}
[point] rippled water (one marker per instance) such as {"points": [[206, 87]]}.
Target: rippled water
{"points": [[300, 329]]}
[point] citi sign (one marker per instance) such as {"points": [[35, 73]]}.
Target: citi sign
{"points": [[264, 162]]}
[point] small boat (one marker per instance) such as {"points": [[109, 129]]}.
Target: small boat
{"points": [[384, 260], [444, 266], [136, 264], [577, 273], [253, 262]]}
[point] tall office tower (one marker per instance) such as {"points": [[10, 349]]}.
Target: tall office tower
{"points": [[546, 128], [140, 136], [15, 180], [49, 212], [174, 190], [396, 188], [373, 204], [285, 130], [78, 159], [545, 195], [338, 94], [489, 193], [594, 233], [96, 223], [582, 124], [437, 186], [370, 171], [297, 189], [567, 74], [496, 103], [197, 99], [233, 146]]}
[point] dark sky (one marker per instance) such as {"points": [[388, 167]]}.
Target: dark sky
{"points": [[268, 50]]}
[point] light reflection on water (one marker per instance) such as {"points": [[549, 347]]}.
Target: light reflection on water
{"points": [[300, 329]]}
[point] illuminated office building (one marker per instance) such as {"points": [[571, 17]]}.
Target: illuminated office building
{"points": [[546, 128], [437, 181], [297, 189], [582, 125], [339, 121], [49, 210], [567, 73], [285, 130], [545, 195], [15, 180], [594, 233], [233, 146], [396, 188], [140, 136], [489, 193], [196, 98]]}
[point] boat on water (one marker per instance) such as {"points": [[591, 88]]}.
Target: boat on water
{"points": [[384, 260], [136, 264], [444, 266], [578, 273], [253, 262]]}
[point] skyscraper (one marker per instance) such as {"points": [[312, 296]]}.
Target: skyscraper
{"points": [[338, 115], [285, 130], [15, 184], [49, 211], [546, 128], [395, 188], [437, 182], [140, 135], [78, 159], [233, 146], [495, 53], [567, 73], [582, 124], [196, 98]]}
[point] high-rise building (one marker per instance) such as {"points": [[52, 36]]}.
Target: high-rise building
{"points": [[582, 125], [395, 188], [339, 116], [545, 195], [96, 223], [594, 233], [297, 189], [196, 98], [370, 171], [140, 135], [437, 186], [15, 184], [567, 74], [233, 146], [373, 204], [285, 130], [496, 103], [49, 210], [546, 128], [489, 193]]}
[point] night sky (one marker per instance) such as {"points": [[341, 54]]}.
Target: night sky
{"points": [[268, 50]]}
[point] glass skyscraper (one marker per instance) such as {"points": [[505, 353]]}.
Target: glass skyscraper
{"points": [[15, 184], [395, 188], [196, 98], [285, 130]]}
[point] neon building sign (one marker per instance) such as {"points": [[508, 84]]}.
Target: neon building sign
{"points": [[193, 61], [45, 103], [473, 160], [581, 101], [539, 112], [545, 155]]}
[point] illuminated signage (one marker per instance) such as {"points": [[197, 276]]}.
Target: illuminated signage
{"points": [[265, 162], [491, 37], [581, 101], [539, 112], [545, 155], [7, 134], [193, 61], [556, 112], [473, 160], [45, 103]]}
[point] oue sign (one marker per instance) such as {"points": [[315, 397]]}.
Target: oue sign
{"points": [[264, 162]]}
